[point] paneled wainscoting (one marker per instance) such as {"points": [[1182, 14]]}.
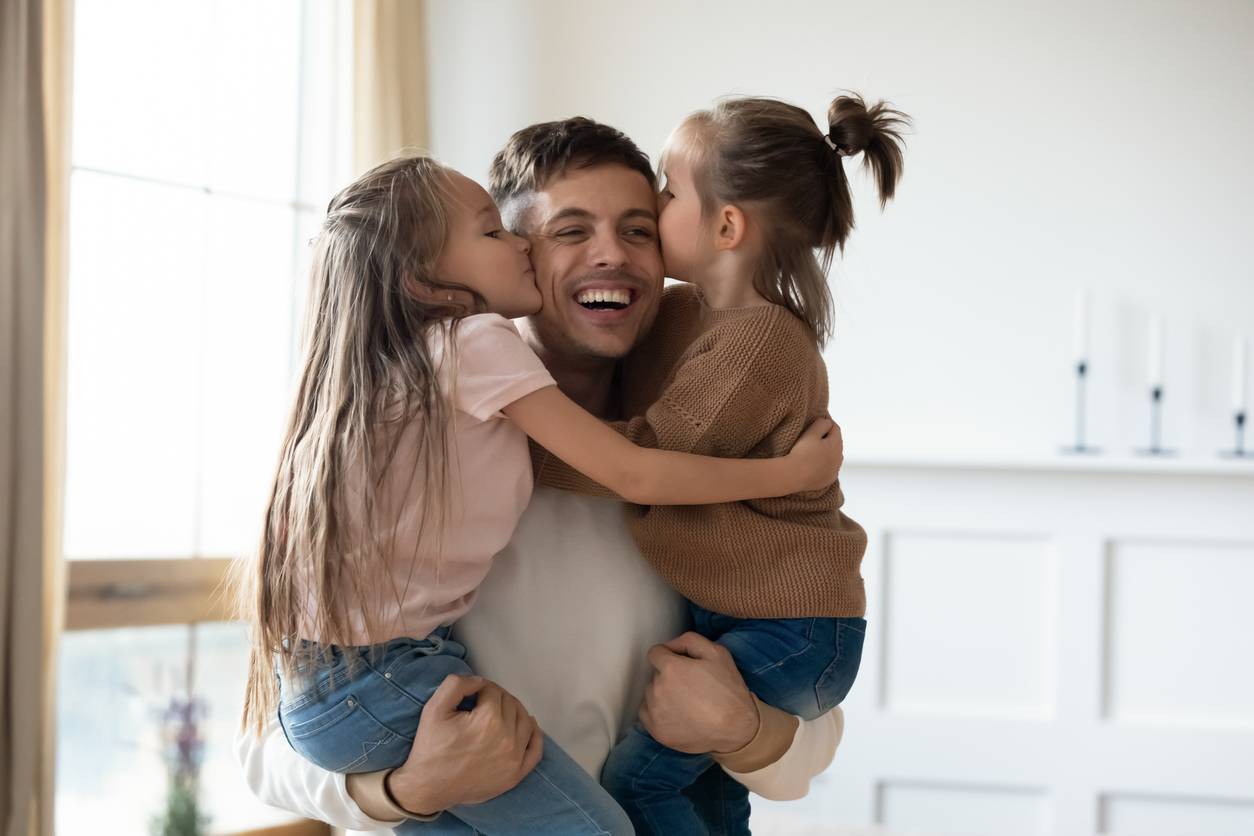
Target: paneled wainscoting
{"points": [[1055, 647]]}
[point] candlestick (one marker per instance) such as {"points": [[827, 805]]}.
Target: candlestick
{"points": [[1081, 445], [1080, 356], [1239, 373], [1156, 448]]}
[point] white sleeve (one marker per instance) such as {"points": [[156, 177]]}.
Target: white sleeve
{"points": [[283, 779], [811, 752]]}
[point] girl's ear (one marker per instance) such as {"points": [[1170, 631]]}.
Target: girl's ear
{"points": [[730, 229], [453, 301]]}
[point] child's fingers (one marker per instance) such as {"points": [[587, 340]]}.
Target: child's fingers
{"points": [[819, 428]]}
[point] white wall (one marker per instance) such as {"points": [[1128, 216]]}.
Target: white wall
{"points": [[1057, 145]]}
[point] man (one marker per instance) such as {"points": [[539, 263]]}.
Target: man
{"points": [[571, 619]]}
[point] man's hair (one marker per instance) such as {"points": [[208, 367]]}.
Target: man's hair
{"points": [[538, 153]]}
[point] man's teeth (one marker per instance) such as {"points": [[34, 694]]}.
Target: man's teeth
{"points": [[617, 298]]}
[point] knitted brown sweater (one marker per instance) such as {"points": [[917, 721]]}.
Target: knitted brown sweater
{"points": [[740, 383]]}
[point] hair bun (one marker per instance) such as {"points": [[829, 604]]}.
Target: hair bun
{"points": [[854, 128], [850, 126]]}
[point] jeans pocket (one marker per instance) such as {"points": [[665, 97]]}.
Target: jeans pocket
{"points": [[345, 738], [836, 681]]}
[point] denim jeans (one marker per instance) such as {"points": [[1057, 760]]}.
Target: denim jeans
{"points": [[804, 666], [362, 718], [721, 802]]}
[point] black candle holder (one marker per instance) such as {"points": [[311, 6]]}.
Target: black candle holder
{"points": [[1081, 446], [1238, 450], [1156, 426]]}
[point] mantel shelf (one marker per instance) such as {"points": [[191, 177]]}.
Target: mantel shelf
{"points": [[1063, 463]]}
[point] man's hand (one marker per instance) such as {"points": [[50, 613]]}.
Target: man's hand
{"points": [[697, 701], [465, 757]]}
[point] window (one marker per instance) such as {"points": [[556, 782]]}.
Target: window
{"points": [[208, 136]]}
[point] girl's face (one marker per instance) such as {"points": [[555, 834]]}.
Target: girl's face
{"points": [[484, 256], [686, 240]]}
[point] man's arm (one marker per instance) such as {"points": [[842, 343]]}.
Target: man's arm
{"points": [[283, 779], [458, 757], [698, 702]]}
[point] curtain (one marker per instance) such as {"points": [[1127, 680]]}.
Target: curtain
{"points": [[389, 81], [34, 99]]}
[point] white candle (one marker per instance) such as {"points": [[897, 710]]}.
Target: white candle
{"points": [[1154, 358], [1239, 352], [1081, 334]]}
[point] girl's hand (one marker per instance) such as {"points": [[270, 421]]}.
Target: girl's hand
{"points": [[818, 455]]}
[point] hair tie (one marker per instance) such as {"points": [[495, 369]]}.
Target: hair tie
{"points": [[831, 143]]}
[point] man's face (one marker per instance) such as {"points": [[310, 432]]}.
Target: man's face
{"points": [[594, 244]]}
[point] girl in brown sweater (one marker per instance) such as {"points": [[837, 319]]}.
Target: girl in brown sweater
{"points": [[754, 205]]}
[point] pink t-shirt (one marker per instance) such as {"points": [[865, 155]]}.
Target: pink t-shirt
{"points": [[489, 484]]}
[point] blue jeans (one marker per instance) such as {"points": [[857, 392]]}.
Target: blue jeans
{"points": [[721, 802], [804, 666], [364, 719]]}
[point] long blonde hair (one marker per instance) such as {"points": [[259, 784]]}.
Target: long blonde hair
{"points": [[367, 372]]}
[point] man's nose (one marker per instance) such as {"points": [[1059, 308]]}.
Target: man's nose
{"points": [[608, 251]]}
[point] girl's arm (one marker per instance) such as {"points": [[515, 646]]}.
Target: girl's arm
{"points": [[663, 477]]}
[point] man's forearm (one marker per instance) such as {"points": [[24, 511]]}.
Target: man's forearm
{"points": [[375, 798], [281, 778]]}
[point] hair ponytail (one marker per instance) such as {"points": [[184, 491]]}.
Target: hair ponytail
{"points": [[874, 132], [772, 159]]}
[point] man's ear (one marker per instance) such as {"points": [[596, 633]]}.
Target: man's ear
{"points": [[730, 228]]}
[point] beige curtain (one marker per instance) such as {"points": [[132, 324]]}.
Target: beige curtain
{"points": [[389, 80], [33, 123]]}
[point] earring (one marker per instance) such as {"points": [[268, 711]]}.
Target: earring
{"points": [[449, 297]]}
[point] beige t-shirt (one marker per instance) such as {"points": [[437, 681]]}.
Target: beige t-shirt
{"points": [[483, 367]]}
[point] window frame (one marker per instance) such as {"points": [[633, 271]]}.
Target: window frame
{"points": [[121, 592]]}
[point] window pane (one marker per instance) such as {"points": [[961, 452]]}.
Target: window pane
{"points": [[136, 264], [254, 97], [326, 92], [111, 776], [249, 310], [140, 87]]}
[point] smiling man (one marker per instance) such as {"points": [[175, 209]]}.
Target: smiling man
{"points": [[571, 620]]}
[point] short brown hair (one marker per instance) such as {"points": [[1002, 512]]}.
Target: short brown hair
{"points": [[538, 153], [771, 158]]}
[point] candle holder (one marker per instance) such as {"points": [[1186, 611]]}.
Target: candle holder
{"points": [[1156, 426], [1081, 446], [1238, 450]]}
